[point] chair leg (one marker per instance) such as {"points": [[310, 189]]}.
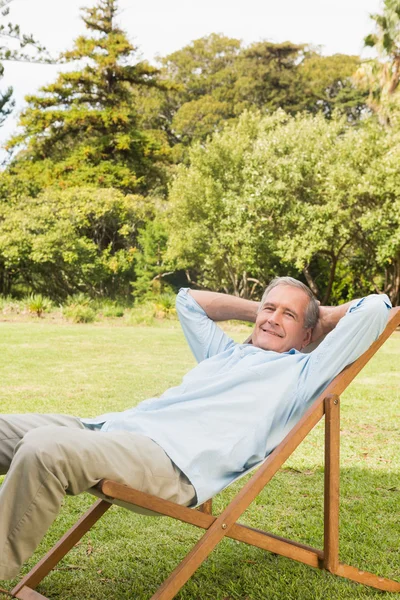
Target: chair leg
{"points": [[24, 588], [331, 488], [206, 507]]}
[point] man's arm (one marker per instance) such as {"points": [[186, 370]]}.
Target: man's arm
{"points": [[222, 307], [202, 333], [329, 317], [354, 332]]}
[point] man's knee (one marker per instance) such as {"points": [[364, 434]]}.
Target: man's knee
{"points": [[43, 451], [59, 452]]}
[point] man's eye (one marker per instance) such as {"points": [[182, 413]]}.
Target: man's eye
{"points": [[291, 315]]}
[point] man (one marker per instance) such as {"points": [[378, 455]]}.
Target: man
{"points": [[229, 412]]}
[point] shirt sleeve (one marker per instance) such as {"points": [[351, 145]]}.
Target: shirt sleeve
{"points": [[204, 337], [362, 324]]}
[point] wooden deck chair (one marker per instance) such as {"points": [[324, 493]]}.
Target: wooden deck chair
{"points": [[225, 525]]}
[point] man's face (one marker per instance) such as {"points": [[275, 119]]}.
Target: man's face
{"points": [[280, 322]]}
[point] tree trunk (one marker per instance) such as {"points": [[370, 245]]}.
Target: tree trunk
{"points": [[332, 274], [311, 283], [394, 81], [392, 288], [5, 281]]}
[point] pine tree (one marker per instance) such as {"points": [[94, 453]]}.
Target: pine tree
{"points": [[83, 129], [13, 44]]}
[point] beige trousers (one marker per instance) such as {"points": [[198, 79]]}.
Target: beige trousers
{"points": [[47, 456]]}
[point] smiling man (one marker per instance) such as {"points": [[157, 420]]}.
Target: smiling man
{"points": [[281, 321], [229, 412]]}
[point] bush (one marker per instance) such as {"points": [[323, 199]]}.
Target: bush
{"points": [[142, 314], [10, 305], [80, 299], [80, 313], [65, 240], [38, 304], [165, 306], [159, 307], [79, 309], [111, 309]]}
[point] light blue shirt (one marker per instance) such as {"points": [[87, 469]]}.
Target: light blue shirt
{"points": [[240, 401]]}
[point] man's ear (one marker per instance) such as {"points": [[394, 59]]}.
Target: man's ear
{"points": [[307, 337]]}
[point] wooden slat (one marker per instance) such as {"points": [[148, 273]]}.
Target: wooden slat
{"points": [[27, 593], [254, 486], [247, 494], [331, 487], [69, 539], [242, 533], [380, 583], [119, 491], [278, 545], [206, 507]]}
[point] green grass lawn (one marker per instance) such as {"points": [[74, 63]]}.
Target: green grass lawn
{"points": [[90, 369]]}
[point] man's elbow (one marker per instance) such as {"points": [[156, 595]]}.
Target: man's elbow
{"points": [[376, 308]]}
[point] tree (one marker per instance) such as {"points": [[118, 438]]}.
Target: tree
{"points": [[76, 240], [12, 33], [329, 85], [83, 129], [282, 194], [269, 77], [217, 243], [198, 77], [215, 78], [380, 221], [381, 77], [152, 279]]}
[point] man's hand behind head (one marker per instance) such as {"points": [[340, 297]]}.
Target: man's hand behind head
{"points": [[329, 317]]}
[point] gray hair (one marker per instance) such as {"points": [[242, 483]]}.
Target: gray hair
{"points": [[312, 310]]}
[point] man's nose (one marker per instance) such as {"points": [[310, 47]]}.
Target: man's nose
{"points": [[274, 317]]}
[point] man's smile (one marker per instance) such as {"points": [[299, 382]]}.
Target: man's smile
{"points": [[271, 332]]}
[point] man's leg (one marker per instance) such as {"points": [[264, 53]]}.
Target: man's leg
{"points": [[53, 460], [14, 427]]}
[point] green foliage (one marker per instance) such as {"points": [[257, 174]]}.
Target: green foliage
{"points": [[143, 314], [38, 304], [80, 313], [165, 305], [111, 309], [329, 85], [381, 77], [83, 128], [211, 222], [282, 193], [277, 194], [152, 308], [153, 276], [6, 101], [79, 299], [79, 308], [215, 78], [65, 241]]}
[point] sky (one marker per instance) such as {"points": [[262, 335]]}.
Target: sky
{"points": [[159, 27]]}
